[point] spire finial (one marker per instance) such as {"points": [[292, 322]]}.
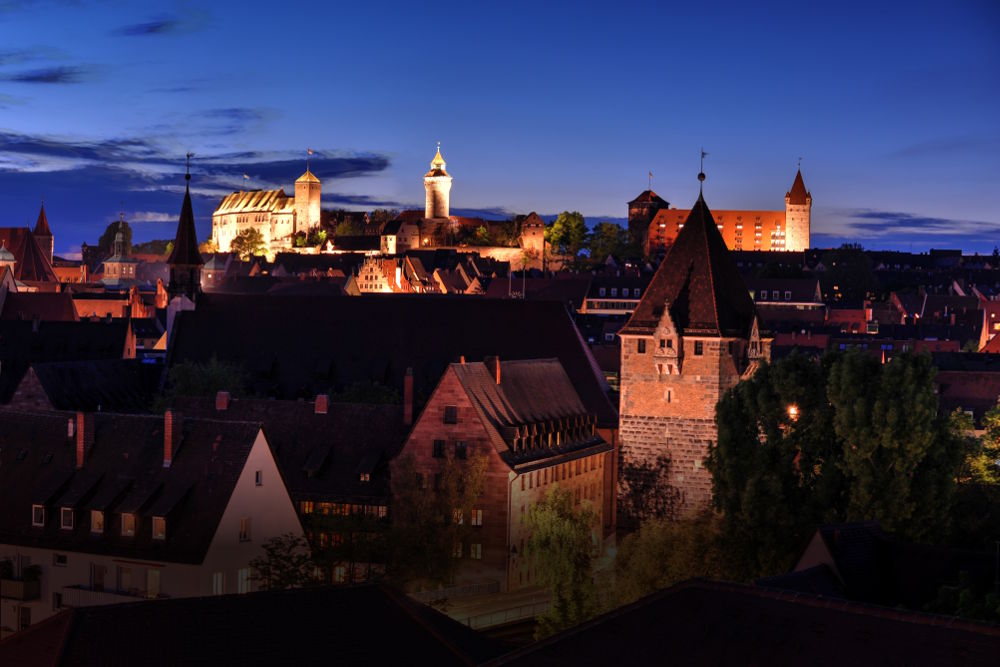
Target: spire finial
{"points": [[309, 153], [800, 163], [187, 173], [701, 172], [650, 180]]}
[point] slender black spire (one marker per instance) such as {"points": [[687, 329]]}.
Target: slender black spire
{"points": [[185, 261]]}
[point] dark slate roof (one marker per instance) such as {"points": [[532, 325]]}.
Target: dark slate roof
{"points": [[358, 625], [569, 289], [32, 263], [699, 283], [186, 240], [797, 195], [319, 454], [392, 227], [816, 580], [339, 341], [123, 471], [714, 623], [110, 385], [649, 197], [42, 224], [533, 398], [21, 345], [43, 305]]}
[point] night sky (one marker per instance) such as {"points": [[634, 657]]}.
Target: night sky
{"points": [[894, 109]]}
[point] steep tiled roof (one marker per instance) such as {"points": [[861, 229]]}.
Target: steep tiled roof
{"points": [[699, 283], [32, 263], [43, 305], [42, 224], [307, 177], [123, 471], [112, 385], [649, 197], [256, 201], [185, 250], [357, 625], [797, 195]]}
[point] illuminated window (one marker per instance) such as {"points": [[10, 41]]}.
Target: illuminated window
{"points": [[37, 515], [477, 518], [339, 574], [218, 583], [96, 521], [244, 580], [457, 516], [307, 506], [476, 551], [128, 524], [365, 477], [245, 529], [159, 528], [66, 518]]}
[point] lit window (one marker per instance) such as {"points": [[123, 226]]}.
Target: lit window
{"points": [[339, 574], [365, 477], [37, 515], [128, 525], [244, 531], [243, 580], [159, 528], [218, 583], [258, 478], [307, 506], [66, 518], [96, 521], [477, 518], [457, 516], [476, 551]]}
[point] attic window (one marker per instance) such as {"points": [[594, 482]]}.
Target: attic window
{"points": [[451, 414], [159, 528], [128, 524], [96, 521], [66, 518], [365, 477], [38, 515]]}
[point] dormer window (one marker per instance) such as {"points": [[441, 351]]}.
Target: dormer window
{"points": [[38, 515], [128, 524], [365, 477], [66, 518], [96, 521], [159, 528], [451, 414]]}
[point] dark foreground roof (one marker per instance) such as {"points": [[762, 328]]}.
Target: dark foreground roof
{"points": [[710, 623], [297, 347], [364, 625], [110, 385]]}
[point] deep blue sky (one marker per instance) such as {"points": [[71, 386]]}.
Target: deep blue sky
{"points": [[541, 106]]}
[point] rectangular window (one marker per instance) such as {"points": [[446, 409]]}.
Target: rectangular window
{"points": [[365, 477], [56, 601], [788, 295], [60, 560], [698, 348], [128, 525], [476, 551], [456, 551], [159, 528], [258, 478], [339, 574], [439, 449], [461, 449], [477, 518], [96, 521], [245, 529], [243, 580], [66, 518], [153, 583], [641, 346], [307, 506], [37, 515], [218, 583], [663, 343], [451, 414]]}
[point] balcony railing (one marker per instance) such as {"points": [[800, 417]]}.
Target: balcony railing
{"points": [[15, 589], [85, 596]]}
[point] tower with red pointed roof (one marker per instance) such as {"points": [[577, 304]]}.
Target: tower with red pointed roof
{"points": [[692, 337], [798, 208], [43, 234], [185, 261]]}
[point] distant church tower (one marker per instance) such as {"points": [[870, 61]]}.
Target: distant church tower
{"points": [[43, 234], [437, 183], [185, 261], [692, 337], [798, 207], [307, 202]]}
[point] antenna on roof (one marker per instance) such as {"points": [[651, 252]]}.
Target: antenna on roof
{"points": [[650, 180], [187, 174], [701, 171]]}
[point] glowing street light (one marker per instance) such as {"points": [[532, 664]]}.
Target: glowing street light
{"points": [[793, 412]]}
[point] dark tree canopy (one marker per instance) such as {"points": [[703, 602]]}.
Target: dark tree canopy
{"points": [[607, 238], [248, 243], [567, 233], [107, 241]]}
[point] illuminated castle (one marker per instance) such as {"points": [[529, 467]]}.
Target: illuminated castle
{"points": [[274, 214], [437, 184]]}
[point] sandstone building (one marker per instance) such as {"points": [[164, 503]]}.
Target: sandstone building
{"points": [[652, 222], [693, 336]]}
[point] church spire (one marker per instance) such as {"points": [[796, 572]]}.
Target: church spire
{"points": [[185, 261], [797, 195]]}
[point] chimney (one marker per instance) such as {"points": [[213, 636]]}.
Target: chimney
{"points": [[84, 436], [172, 424], [222, 401], [408, 397], [322, 404], [493, 364]]}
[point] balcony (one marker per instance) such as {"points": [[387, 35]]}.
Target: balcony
{"points": [[85, 596], [16, 589]]}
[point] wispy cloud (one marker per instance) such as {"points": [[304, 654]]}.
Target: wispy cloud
{"points": [[164, 24], [51, 75], [150, 216]]}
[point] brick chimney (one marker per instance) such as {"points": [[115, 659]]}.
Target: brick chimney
{"points": [[84, 436], [322, 405], [408, 397], [493, 364], [222, 400], [172, 425]]}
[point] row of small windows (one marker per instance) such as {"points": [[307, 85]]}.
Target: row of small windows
{"points": [[67, 520], [775, 295], [560, 472], [461, 449], [343, 509], [475, 551], [699, 347], [603, 291]]}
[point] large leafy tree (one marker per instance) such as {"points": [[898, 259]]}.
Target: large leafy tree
{"points": [[286, 563], [567, 233], [562, 545], [248, 243], [605, 239], [107, 241]]}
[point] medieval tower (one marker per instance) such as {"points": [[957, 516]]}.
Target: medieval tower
{"points": [[437, 184], [692, 337], [307, 202], [185, 261], [43, 234], [798, 206]]}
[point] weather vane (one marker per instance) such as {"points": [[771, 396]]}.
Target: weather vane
{"points": [[701, 171], [800, 162], [187, 174]]}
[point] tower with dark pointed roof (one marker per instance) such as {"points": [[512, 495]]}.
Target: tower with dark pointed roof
{"points": [[641, 212], [437, 186], [692, 337], [43, 234], [185, 261], [798, 210]]}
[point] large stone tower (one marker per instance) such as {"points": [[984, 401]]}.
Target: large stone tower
{"points": [[185, 261], [43, 234], [307, 202], [641, 212], [693, 335], [798, 206], [437, 184]]}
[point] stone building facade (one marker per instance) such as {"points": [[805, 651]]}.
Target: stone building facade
{"points": [[693, 336]]}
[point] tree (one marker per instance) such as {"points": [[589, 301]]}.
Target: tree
{"points": [[848, 276], [380, 216], [605, 239], [155, 247], [286, 563], [645, 493], [194, 379], [664, 552], [107, 241], [248, 243], [348, 227], [317, 237], [562, 544], [567, 233], [482, 237], [428, 516]]}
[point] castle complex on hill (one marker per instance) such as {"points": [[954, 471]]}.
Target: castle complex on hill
{"points": [[656, 226]]}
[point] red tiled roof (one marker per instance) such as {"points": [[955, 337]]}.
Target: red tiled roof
{"points": [[797, 195], [46, 306], [31, 262], [699, 282], [42, 224]]}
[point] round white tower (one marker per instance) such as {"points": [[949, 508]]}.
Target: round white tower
{"points": [[437, 184]]}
